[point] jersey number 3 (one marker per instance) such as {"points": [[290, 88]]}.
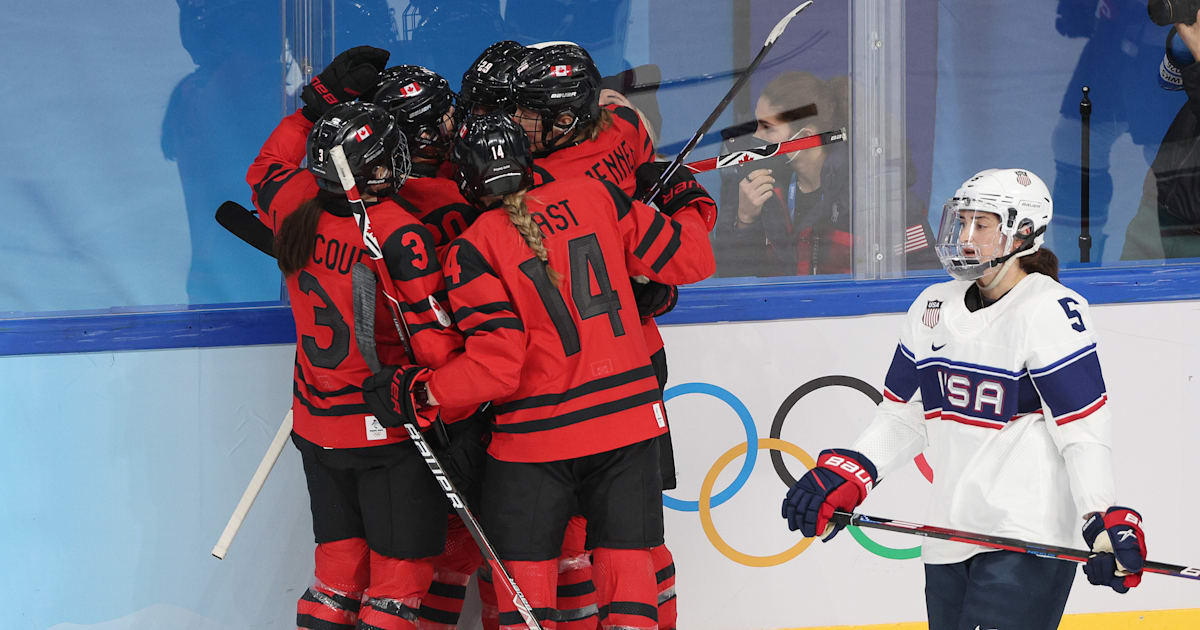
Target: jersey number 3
{"points": [[1072, 314], [587, 262]]}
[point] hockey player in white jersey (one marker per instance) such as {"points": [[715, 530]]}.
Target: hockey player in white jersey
{"points": [[996, 379]]}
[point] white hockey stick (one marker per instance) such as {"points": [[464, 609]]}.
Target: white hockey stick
{"points": [[256, 484]]}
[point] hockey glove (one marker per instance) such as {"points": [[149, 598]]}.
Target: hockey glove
{"points": [[677, 193], [1118, 549], [840, 481], [352, 74], [654, 298], [463, 458], [396, 395]]}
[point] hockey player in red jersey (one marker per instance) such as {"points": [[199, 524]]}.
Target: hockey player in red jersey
{"points": [[540, 287], [556, 88], [378, 514], [425, 109], [997, 380]]}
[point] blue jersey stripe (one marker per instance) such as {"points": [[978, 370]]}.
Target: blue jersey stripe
{"points": [[1063, 360], [1072, 387], [962, 365], [902, 379]]}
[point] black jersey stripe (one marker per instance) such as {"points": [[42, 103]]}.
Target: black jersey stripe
{"points": [[590, 387], [511, 323], [622, 201], [335, 410], [490, 308], [271, 187], [670, 249], [319, 393], [651, 235], [582, 415]]}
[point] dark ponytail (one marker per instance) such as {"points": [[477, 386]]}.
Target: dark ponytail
{"points": [[1042, 261], [297, 237]]}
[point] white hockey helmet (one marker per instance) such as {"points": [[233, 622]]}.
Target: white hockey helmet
{"points": [[1022, 206]]}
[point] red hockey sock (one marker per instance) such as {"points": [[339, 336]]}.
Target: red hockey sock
{"points": [[576, 601], [488, 612], [442, 605], [394, 595], [625, 587], [334, 599], [538, 581], [664, 573]]}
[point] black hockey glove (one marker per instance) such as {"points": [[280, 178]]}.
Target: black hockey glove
{"points": [[679, 191], [351, 75], [463, 458], [396, 395], [654, 298]]}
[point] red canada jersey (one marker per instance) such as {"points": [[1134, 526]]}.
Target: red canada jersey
{"points": [[328, 407], [565, 365], [614, 157], [437, 203]]}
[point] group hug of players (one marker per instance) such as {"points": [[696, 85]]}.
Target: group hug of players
{"points": [[537, 359], [530, 340]]}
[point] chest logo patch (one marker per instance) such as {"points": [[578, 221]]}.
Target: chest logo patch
{"points": [[933, 313]]}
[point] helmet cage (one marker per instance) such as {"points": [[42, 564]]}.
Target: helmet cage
{"points": [[357, 128], [425, 108], [555, 79], [968, 248]]}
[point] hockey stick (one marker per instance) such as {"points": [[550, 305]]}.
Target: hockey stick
{"points": [[997, 542], [246, 226], [366, 345], [256, 483], [716, 113], [759, 153]]}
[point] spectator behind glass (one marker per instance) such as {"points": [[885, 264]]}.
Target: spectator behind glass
{"points": [[793, 211], [1167, 224]]}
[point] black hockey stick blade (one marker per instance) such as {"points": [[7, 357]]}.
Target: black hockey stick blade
{"points": [[997, 542], [362, 281], [245, 225]]}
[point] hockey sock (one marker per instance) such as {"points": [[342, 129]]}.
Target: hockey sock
{"points": [[576, 600], [333, 601], [442, 605], [537, 581], [626, 588], [488, 612], [394, 595], [664, 573]]}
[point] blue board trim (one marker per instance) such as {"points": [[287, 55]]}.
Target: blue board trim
{"points": [[725, 300]]}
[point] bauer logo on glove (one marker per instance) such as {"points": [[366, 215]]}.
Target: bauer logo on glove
{"points": [[397, 396]]}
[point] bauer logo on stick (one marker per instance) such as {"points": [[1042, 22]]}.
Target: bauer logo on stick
{"points": [[933, 313]]}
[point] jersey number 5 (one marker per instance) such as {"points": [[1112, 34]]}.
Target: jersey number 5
{"points": [[1072, 314], [587, 261]]}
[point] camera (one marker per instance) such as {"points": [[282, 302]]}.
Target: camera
{"points": [[1165, 12]]}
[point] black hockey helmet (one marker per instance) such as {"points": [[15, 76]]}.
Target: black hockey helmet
{"points": [[558, 77], [493, 158], [486, 84], [423, 105], [370, 138]]}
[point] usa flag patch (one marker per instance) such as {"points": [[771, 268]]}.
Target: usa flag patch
{"points": [[914, 239], [933, 313]]}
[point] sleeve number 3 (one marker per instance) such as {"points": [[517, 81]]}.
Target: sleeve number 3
{"points": [[1072, 314]]}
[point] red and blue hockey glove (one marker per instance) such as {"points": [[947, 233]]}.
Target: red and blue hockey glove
{"points": [[352, 74], [840, 481], [396, 395], [1118, 548]]}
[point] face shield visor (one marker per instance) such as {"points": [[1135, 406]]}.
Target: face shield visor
{"points": [[971, 238]]}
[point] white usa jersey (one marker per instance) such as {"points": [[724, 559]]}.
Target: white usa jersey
{"points": [[997, 398]]}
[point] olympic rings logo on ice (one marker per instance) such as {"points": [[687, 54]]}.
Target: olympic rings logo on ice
{"points": [[777, 447]]}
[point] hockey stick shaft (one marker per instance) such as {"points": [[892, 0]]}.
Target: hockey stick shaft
{"points": [[364, 334], [997, 542], [716, 113], [735, 158], [256, 483], [243, 224]]}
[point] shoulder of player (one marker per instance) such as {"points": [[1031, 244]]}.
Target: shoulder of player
{"points": [[628, 115], [1045, 294], [942, 292]]}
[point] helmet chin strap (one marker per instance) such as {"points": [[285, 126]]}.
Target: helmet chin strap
{"points": [[1008, 260]]}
